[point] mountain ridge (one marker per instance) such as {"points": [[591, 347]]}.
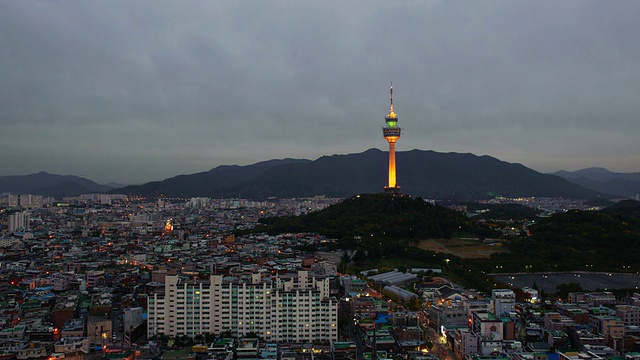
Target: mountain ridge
{"points": [[604, 181], [425, 173], [46, 184]]}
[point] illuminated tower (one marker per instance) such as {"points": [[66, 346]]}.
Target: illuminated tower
{"points": [[391, 133]]}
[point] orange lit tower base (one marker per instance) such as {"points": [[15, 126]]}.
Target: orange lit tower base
{"points": [[391, 133]]}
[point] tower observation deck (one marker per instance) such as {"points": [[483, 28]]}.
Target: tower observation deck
{"points": [[391, 133]]}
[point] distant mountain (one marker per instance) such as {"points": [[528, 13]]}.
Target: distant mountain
{"points": [[46, 184], [427, 174], [604, 181], [598, 174], [208, 183], [115, 185]]}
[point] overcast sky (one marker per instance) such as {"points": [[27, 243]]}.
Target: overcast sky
{"points": [[134, 91]]}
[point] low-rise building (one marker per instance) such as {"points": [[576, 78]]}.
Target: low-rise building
{"points": [[447, 313], [72, 345], [35, 350], [132, 318], [628, 314], [503, 301], [465, 342]]}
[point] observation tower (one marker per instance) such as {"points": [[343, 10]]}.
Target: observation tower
{"points": [[391, 133]]}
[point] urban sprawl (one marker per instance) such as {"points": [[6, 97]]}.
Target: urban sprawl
{"points": [[118, 277]]}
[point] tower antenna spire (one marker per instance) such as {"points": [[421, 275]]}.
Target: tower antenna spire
{"points": [[391, 92], [392, 113]]}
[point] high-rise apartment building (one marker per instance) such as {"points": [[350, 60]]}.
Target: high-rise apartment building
{"points": [[19, 221], [25, 201], [285, 308]]}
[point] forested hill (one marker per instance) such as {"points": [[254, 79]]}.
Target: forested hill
{"points": [[579, 240], [373, 215]]}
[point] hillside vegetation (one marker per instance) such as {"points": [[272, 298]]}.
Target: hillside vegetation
{"points": [[384, 226], [374, 215], [607, 240]]}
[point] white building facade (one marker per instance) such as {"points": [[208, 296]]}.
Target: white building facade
{"points": [[19, 221], [289, 308], [504, 301], [132, 318]]}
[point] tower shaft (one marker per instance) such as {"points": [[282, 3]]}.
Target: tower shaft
{"points": [[392, 165]]}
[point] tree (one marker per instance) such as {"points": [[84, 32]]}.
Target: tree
{"points": [[209, 338], [344, 260], [359, 257], [563, 290], [429, 344]]}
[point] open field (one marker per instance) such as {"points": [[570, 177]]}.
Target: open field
{"points": [[464, 248]]}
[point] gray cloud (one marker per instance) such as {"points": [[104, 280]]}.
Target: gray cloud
{"points": [[139, 91]]}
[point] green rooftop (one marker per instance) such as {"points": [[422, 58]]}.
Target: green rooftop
{"points": [[344, 345], [120, 355], [177, 354]]}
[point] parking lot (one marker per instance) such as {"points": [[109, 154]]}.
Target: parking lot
{"points": [[590, 281]]}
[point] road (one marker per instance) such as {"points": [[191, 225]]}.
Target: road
{"points": [[116, 325], [440, 348], [354, 333]]}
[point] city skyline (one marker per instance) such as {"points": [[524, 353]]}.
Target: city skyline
{"points": [[137, 92]]}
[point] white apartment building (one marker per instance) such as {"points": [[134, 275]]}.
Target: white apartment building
{"points": [[287, 308], [198, 202], [19, 221], [26, 201]]}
